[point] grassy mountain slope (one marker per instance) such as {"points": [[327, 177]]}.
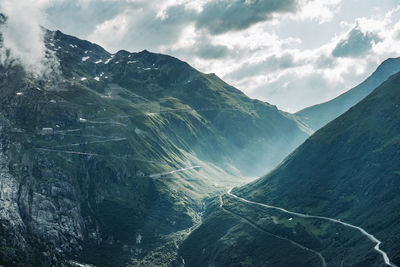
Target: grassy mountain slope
{"points": [[171, 88], [348, 170], [319, 115], [107, 161]]}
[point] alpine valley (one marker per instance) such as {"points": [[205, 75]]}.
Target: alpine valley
{"points": [[333, 202], [128, 159]]}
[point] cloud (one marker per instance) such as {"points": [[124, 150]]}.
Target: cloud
{"points": [[199, 45], [80, 18], [210, 51], [308, 87], [222, 16], [143, 28], [23, 35], [272, 63], [356, 44], [320, 10], [325, 62]]}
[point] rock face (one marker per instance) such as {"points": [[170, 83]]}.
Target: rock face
{"points": [[115, 147], [28, 216]]}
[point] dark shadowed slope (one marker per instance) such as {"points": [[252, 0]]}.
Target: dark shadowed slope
{"points": [[319, 115], [347, 170]]}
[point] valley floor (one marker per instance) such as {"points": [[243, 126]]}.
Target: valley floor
{"points": [[240, 232], [362, 231]]}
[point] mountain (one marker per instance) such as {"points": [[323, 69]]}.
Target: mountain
{"points": [[319, 115], [174, 88], [343, 177], [106, 160]]}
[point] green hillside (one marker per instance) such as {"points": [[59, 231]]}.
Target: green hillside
{"points": [[347, 171]]}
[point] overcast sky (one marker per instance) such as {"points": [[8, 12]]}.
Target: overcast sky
{"points": [[290, 53]]}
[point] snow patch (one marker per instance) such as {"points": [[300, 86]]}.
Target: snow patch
{"points": [[138, 239], [97, 79], [98, 61], [138, 131], [108, 60], [85, 58], [83, 79], [78, 264]]}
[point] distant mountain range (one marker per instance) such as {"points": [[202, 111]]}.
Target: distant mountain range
{"points": [[343, 177], [107, 162], [319, 115]]}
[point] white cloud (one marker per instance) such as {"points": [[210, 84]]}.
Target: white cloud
{"points": [[22, 34], [139, 28], [320, 10]]}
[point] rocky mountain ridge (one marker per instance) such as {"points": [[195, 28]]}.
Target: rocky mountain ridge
{"points": [[107, 160]]}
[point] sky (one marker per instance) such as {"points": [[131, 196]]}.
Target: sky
{"points": [[290, 53]]}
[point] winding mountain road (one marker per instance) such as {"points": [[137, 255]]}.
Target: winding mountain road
{"points": [[254, 225], [365, 233], [159, 175]]}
